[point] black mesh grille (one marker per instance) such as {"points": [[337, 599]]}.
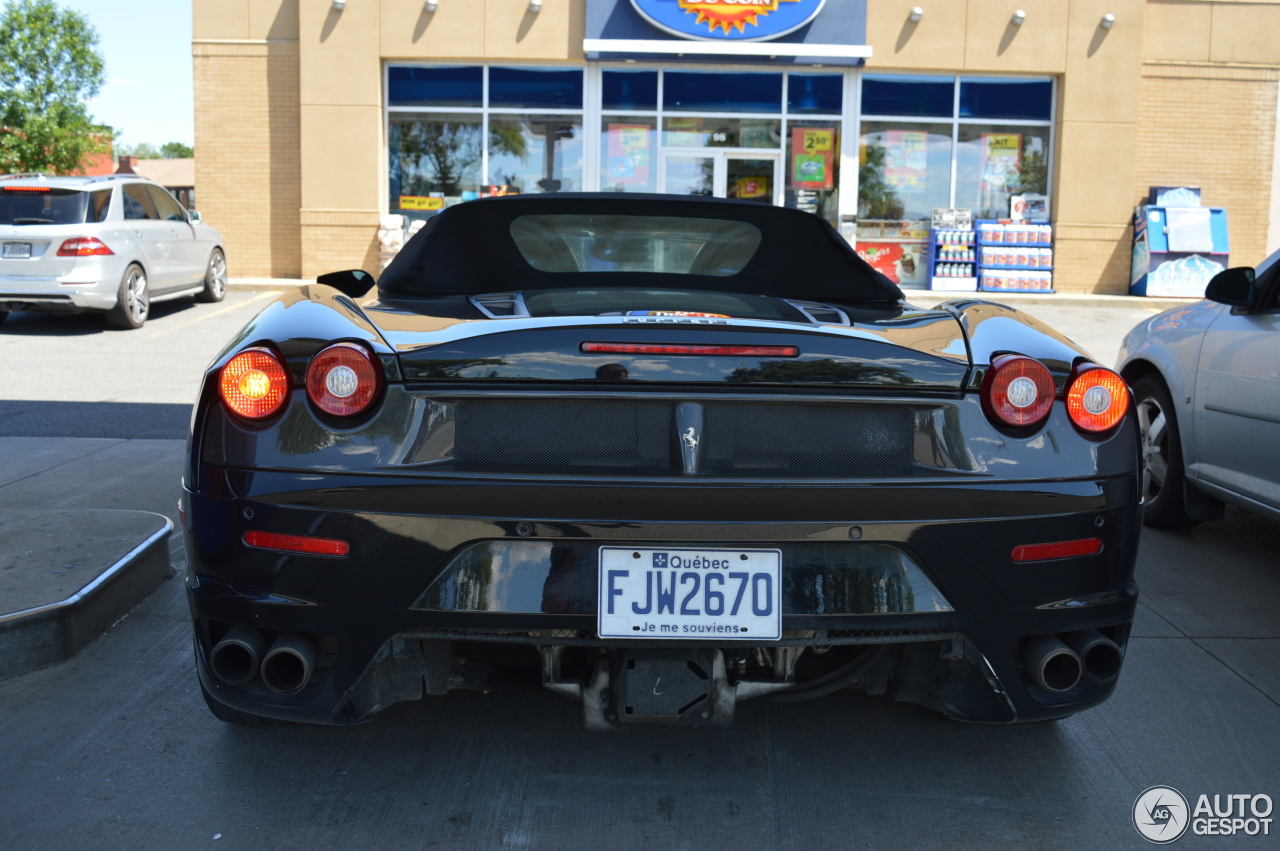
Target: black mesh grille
{"points": [[554, 434], [740, 437], [776, 438]]}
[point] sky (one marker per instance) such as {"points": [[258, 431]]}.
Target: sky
{"points": [[146, 44]]}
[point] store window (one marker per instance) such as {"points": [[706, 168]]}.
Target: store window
{"points": [[448, 143], [765, 136], [934, 141]]}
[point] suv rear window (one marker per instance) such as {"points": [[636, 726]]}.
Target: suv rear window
{"points": [[52, 206]]}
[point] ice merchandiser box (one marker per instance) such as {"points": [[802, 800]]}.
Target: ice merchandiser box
{"points": [[1176, 250]]}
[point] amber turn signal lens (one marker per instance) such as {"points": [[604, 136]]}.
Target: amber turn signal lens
{"points": [[254, 384], [1017, 391], [343, 379], [1097, 399]]}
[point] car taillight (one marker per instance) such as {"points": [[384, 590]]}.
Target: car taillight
{"points": [[1097, 398], [343, 379], [26, 189], [296, 543], [254, 383], [1017, 391], [83, 246]]}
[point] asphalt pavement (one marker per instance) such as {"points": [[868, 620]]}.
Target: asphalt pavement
{"points": [[114, 747]]}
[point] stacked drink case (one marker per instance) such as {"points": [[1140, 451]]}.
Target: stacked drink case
{"points": [[954, 260], [1015, 256]]}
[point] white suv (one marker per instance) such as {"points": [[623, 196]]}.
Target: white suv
{"points": [[113, 244]]}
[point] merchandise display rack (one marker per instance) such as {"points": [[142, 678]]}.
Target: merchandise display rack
{"points": [[1014, 257], [953, 260]]}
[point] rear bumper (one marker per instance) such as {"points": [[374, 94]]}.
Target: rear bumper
{"points": [[89, 286], [404, 592]]}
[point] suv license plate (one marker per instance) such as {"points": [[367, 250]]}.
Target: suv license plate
{"points": [[17, 250], [675, 593]]}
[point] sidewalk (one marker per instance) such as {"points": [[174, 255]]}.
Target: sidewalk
{"points": [[85, 539]]}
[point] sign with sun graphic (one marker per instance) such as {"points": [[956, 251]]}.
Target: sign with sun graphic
{"points": [[729, 20]]}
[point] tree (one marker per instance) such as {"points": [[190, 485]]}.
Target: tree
{"points": [[176, 151], [142, 150], [49, 67]]}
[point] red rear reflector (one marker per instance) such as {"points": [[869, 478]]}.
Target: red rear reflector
{"points": [[1097, 398], [343, 379], [26, 189], [296, 543], [690, 349], [1062, 549], [83, 246], [254, 384]]}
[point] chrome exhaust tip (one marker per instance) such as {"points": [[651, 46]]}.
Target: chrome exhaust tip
{"points": [[287, 667], [235, 658], [1100, 657], [1051, 664]]}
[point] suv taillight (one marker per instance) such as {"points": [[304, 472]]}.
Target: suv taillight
{"points": [[343, 379], [83, 246]]}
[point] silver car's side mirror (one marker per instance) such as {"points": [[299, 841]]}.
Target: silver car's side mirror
{"points": [[1232, 286], [195, 216]]}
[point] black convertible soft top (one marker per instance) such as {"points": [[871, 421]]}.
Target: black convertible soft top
{"points": [[468, 249]]}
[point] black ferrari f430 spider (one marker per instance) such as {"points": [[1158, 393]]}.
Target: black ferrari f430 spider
{"points": [[608, 442]]}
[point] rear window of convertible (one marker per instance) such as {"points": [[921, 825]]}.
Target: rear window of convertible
{"points": [[673, 245]]}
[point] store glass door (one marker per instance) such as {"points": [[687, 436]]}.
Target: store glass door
{"points": [[723, 174]]}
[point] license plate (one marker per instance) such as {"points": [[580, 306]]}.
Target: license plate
{"points": [[17, 250], [700, 594]]}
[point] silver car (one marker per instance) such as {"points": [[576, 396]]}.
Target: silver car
{"points": [[1206, 382], [115, 244]]}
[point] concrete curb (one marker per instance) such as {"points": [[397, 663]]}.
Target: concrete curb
{"points": [[44, 635]]}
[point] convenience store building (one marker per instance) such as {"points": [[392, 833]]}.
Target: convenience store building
{"points": [[315, 118]]}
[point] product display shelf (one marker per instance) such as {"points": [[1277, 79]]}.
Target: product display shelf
{"points": [[1000, 241], [953, 260]]}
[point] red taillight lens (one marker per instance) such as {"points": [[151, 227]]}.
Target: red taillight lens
{"points": [[1017, 391], [254, 383], [1097, 398], [83, 246], [689, 349], [343, 379], [1061, 549], [296, 543]]}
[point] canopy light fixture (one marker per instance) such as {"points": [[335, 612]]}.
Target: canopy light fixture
{"points": [[535, 6], [339, 5], [1108, 21], [917, 12], [430, 5], [1018, 17]]}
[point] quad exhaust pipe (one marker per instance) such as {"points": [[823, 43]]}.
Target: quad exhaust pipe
{"points": [[236, 657], [287, 667], [1100, 657], [1058, 664]]}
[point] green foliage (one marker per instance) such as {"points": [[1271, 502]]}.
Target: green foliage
{"points": [[176, 151], [49, 67], [876, 198], [142, 150]]}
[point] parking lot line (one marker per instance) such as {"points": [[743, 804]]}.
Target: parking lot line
{"points": [[203, 316]]}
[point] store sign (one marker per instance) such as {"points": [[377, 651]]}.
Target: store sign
{"points": [[812, 157], [421, 202], [729, 20]]}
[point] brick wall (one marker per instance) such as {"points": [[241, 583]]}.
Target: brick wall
{"points": [[1212, 127], [248, 176]]}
